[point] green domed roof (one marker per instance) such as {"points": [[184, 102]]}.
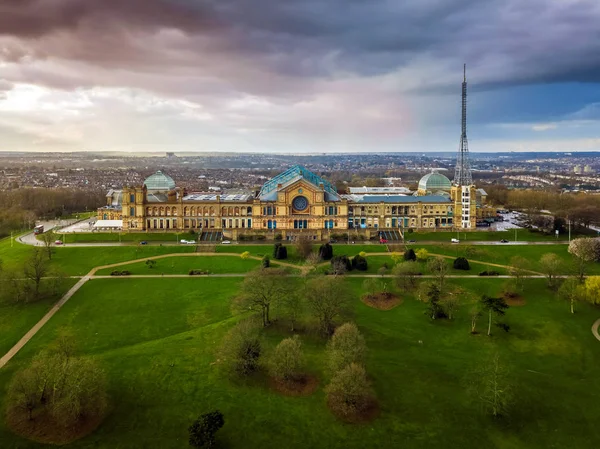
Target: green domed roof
{"points": [[159, 182], [434, 181]]}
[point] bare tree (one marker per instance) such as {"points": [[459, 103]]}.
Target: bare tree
{"points": [[241, 348], [518, 269], [475, 315], [450, 304], [304, 247], [260, 290], [439, 268], [68, 388], [328, 297], [493, 388], [48, 238], [572, 290], [551, 266], [36, 267], [405, 274], [292, 304]]}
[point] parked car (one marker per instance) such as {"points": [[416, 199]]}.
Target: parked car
{"points": [[225, 242], [183, 241], [382, 241], [454, 240], [503, 241], [412, 241], [143, 242], [58, 242]]}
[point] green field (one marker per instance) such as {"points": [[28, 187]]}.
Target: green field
{"points": [[17, 319], [374, 263], [182, 265], [135, 237], [156, 340], [502, 254], [522, 235]]}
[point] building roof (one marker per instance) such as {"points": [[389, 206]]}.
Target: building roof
{"points": [[374, 190], [291, 175], [116, 197], [233, 197], [159, 182], [434, 181], [108, 224], [362, 199]]}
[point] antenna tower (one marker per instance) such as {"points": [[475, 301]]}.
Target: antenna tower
{"points": [[462, 173]]}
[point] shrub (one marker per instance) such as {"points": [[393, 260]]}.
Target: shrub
{"points": [[337, 261], [245, 255], [278, 236], [410, 230], [326, 251], [279, 251], [350, 392], [422, 254], [489, 273], [362, 254], [202, 431], [260, 237], [266, 261], [461, 263], [197, 272], [359, 263], [410, 255]]}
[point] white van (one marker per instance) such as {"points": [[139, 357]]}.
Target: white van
{"points": [[455, 240]]}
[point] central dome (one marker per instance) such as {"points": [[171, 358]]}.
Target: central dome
{"points": [[434, 181], [159, 182]]}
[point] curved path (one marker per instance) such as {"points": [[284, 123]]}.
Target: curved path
{"points": [[303, 270], [595, 329]]}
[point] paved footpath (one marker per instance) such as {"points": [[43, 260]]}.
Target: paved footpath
{"points": [[304, 269], [34, 330], [595, 329]]}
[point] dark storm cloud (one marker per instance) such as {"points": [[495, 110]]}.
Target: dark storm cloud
{"points": [[504, 42]]}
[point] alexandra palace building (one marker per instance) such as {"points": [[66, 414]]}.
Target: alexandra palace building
{"points": [[296, 203]]}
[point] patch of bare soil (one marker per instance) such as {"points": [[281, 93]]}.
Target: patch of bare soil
{"points": [[43, 429], [382, 300], [514, 301], [365, 416], [304, 386]]}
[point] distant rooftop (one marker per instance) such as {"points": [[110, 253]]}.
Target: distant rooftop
{"points": [[374, 190], [397, 199]]}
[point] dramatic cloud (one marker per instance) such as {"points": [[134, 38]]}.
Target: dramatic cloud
{"points": [[296, 75]]}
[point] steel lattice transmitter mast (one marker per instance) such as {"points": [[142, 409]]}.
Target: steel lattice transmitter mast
{"points": [[463, 190]]}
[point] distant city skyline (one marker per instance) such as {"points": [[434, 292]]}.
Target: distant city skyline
{"points": [[300, 77]]}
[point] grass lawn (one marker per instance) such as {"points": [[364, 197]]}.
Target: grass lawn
{"points": [[182, 265], [523, 235], [17, 319], [374, 263], [156, 339], [503, 254], [99, 237]]}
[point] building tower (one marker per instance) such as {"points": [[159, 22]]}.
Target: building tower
{"points": [[463, 190], [462, 172]]}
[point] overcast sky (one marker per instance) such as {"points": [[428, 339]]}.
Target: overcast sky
{"points": [[298, 75]]}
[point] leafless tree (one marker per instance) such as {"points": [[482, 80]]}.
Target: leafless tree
{"points": [[36, 267], [261, 290], [328, 297]]}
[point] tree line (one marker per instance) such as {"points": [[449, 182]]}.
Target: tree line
{"points": [[20, 208]]}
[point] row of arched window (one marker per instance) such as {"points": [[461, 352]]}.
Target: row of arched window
{"points": [[198, 211]]}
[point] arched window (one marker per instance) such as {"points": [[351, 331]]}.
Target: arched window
{"points": [[161, 211], [212, 211], [224, 211], [237, 211], [230, 211], [249, 210]]}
